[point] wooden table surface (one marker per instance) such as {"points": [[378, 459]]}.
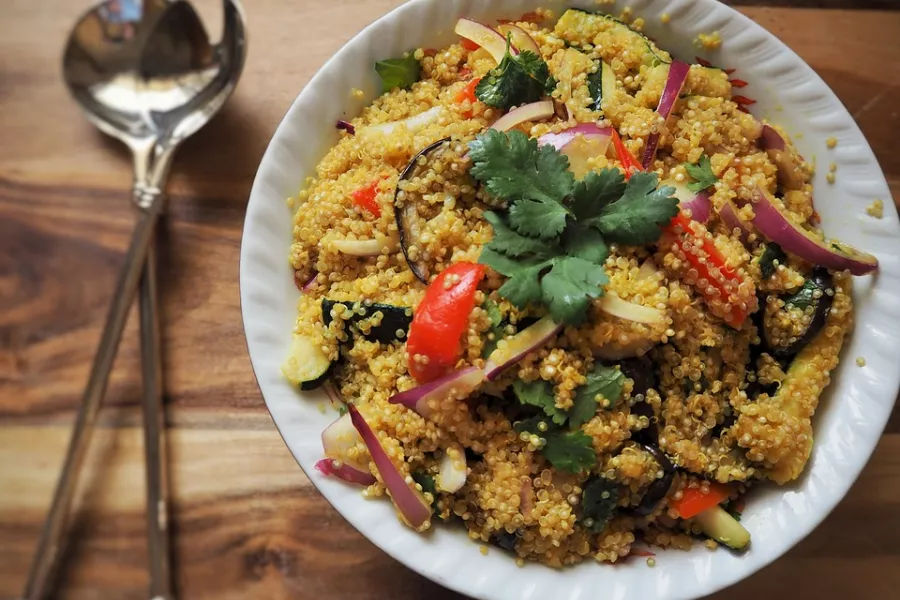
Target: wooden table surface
{"points": [[247, 523]]}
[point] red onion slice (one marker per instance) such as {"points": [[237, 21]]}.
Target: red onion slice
{"points": [[527, 112], [733, 220], [453, 469], [414, 510], [341, 470], [699, 203], [485, 37], [457, 384], [579, 144], [339, 438], [776, 227], [678, 72], [780, 153], [512, 349], [520, 38]]}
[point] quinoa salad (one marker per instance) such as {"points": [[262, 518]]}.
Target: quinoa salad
{"points": [[566, 291]]}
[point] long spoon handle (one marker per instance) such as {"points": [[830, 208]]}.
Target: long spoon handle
{"points": [[42, 566], [154, 436]]}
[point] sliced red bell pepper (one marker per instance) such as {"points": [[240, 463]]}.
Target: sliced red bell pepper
{"points": [[693, 501], [743, 100], [467, 93], [469, 45], [625, 157], [739, 83], [433, 345], [722, 281], [365, 196]]}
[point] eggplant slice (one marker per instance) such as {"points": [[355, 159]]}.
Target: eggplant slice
{"points": [[817, 291]]}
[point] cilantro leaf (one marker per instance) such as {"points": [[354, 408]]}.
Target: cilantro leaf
{"points": [[569, 287], [504, 264], [572, 452], [772, 253], [702, 173], [540, 394], [598, 503], [523, 286], [595, 191], [514, 167], [601, 380], [585, 242], [542, 219], [531, 425], [636, 218], [513, 244], [518, 79], [426, 481], [805, 296], [397, 72]]}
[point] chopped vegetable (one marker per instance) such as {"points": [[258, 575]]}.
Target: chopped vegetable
{"points": [[397, 72], [393, 320], [678, 72], [722, 527], [772, 253], [307, 365], [601, 85], [629, 162], [817, 291], [723, 284], [693, 500], [412, 124], [659, 489], [497, 331], [603, 383], [520, 38], [702, 174], [413, 508], [372, 247], [779, 151], [629, 311], [512, 349], [339, 438], [539, 393], [467, 93], [733, 220], [778, 228], [454, 385], [336, 468], [579, 144], [572, 451], [485, 37], [598, 503], [365, 196], [346, 126], [440, 320], [518, 79], [529, 112], [453, 470], [699, 203]]}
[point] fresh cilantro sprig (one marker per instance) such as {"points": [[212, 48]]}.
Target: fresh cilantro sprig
{"points": [[702, 174], [540, 394], [598, 503], [602, 380], [552, 242], [518, 79], [397, 72]]}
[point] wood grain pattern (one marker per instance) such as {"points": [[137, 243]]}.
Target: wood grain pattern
{"points": [[247, 522]]}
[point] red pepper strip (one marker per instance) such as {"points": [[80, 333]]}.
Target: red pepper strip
{"points": [[693, 501], [642, 553], [440, 320], [715, 280], [625, 157], [739, 83], [744, 100], [703, 62], [729, 71], [468, 93], [742, 109], [364, 198], [469, 45]]}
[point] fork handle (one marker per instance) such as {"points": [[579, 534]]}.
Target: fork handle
{"points": [[42, 566]]}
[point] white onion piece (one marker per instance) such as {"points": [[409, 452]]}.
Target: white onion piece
{"points": [[453, 470], [648, 270], [512, 349], [339, 438], [776, 227], [579, 144], [616, 307], [372, 247], [485, 37], [414, 509], [699, 203], [412, 124], [779, 152], [459, 384], [341, 470], [520, 38], [527, 112], [730, 215], [678, 72], [618, 351]]}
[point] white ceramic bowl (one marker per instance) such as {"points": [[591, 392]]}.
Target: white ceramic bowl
{"points": [[851, 415]]}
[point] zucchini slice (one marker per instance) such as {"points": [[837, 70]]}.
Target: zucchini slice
{"points": [[579, 27], [601, 84], [722, 527], [394, 323], [307, 365]]}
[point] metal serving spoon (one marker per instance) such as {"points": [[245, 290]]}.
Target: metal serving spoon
{"points": [[150, 79]]}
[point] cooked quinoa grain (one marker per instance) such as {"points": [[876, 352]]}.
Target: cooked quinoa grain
{"points": [[692, 366]]}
